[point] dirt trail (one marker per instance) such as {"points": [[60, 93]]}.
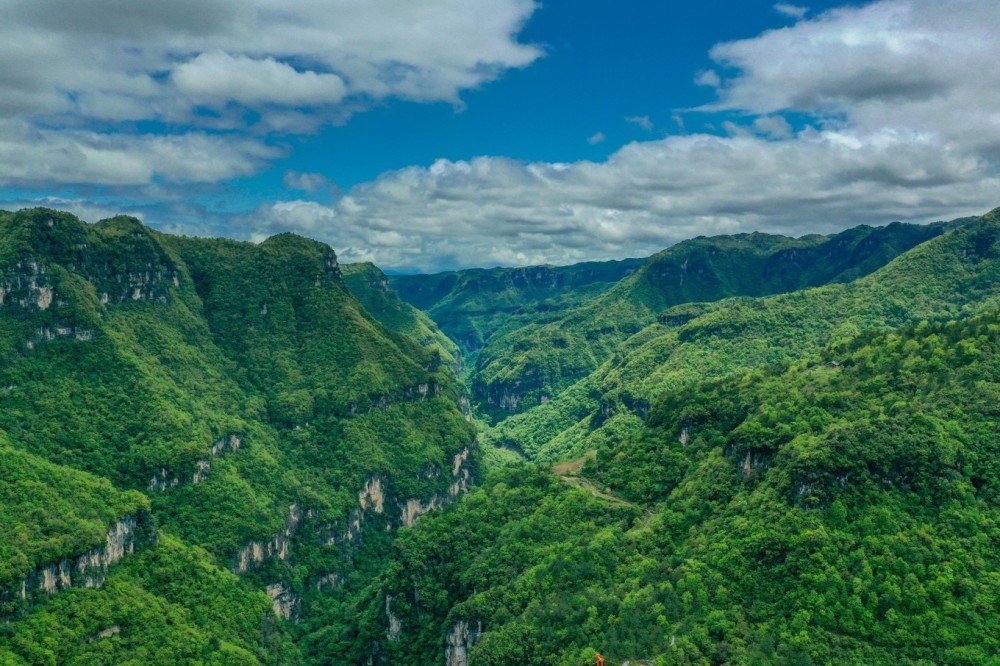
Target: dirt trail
{"points": [[570, 473]]}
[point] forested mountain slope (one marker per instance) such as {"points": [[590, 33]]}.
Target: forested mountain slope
{"points": [[952, 275], [370, 286], [471, 306], [535, 361], [217, 420], [230, 453], [843, 510]]}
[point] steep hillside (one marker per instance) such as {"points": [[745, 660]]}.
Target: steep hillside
{"points": [[370, 286], [843, 510], [224, 411], [536, 361], [948, 276]]}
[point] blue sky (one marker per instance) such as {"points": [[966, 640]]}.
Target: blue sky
{"points": [[437, 134]]}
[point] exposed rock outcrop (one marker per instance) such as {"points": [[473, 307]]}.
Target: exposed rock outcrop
{"points": [[461, 481], [87, 570], [48, 334], [163, 479], [395, 624], [258, 552], [460, 640], [416, 393], [372, 496], [285, 602], [113, 630], [329, 581], [27, 285]]}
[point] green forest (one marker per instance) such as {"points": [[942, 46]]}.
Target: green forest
{"points": [[748, 449]]}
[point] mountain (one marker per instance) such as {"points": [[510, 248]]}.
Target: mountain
{"points": [[370, 286], [941, 278], [230, 453], [537, 360], [472, 305], [192, 426], [839, 510]]}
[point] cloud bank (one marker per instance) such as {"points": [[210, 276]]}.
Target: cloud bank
{"points": [[221, 76], [901, 108], [866, 114]]}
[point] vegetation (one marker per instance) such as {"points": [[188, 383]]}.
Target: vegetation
{"points": [[535, 362], [752, 450], [836, 511], [238, 392]]}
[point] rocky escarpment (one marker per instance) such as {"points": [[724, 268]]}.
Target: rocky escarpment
{"points": [[285, 603], [27, 285], [508, 396], [460, 640], [49, 334], [163, 478], [256, 553], [461, 480], [89, 569], [385, 401]]}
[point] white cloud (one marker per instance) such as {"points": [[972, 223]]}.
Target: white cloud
{"points": [[709, 78], [895, 104], [775, 127], [901, 122], [31, 156], [67, 64], [791, 11], [596, 138], [644, 197], [642, 121], [220, 77], [307, 182]]}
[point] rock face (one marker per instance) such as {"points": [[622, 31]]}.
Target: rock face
{"points": [[414, 508], [87, 570], [461, 480], [395, 628], [460, 640], [257, 552], [163, 479], [26, 285], [386, 401], [372, 496], [329, 581], [48, 334], [286, 604]]}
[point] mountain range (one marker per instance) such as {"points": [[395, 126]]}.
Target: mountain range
{"points": [[747, 449]]}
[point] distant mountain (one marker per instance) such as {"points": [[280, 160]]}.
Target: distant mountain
{"points": [[472, 305], [534, 362], [952, 275]]}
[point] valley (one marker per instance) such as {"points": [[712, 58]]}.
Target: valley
{"points": [[745, 449]]}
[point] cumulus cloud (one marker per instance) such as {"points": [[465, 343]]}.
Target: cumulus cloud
{"points": [[646, 196], [775, 127], [283, 67], [896, 109], [42, 157], [222, 77], [894, 106], [709, 78]]}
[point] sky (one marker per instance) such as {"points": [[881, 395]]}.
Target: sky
{"points": [[428, 135]]}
